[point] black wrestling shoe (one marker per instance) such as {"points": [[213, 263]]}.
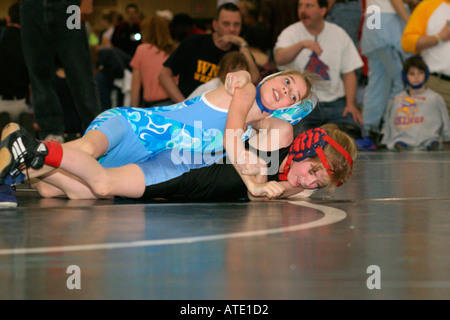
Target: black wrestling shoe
{"points": [[19, 150]]}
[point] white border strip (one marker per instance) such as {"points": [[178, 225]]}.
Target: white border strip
{"points": [[332, 215]]}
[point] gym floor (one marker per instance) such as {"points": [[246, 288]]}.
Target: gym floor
{"points": [[384, 235]]}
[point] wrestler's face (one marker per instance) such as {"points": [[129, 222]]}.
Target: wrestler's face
{"points": [[302, 175], [415, 76], [282, 91]]}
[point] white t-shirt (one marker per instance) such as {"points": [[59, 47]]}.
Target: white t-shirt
{"points": [[437, 57], [339, 56]]}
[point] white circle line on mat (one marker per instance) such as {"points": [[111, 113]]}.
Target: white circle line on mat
{"points": [[331, 215]]}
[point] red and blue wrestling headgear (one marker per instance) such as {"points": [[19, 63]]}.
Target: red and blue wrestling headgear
{"points": [[310, 144]]}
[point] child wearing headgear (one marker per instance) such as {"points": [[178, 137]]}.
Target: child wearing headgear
{"points": [[318, 158], [417, 118]]}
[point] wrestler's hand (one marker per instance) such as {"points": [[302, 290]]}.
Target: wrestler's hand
{"points": [[250, 164], [237, 80], [271, 190]]}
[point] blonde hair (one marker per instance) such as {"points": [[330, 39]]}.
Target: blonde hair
{"points": [[231, 62], [339, 164], [155, 31]]}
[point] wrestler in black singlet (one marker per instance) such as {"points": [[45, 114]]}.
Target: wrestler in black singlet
{"points": [[218, 182]]}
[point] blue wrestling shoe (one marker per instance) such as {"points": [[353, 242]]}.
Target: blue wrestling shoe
{"points": [[7, 197]]}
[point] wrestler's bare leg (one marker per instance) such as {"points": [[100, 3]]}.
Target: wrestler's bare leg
{"points": [[94, 143], [79, 160], [59, 183], [81, 177]]}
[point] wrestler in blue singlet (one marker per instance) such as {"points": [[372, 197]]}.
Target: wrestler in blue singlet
{"points": [[168, 141], [138, 135]]}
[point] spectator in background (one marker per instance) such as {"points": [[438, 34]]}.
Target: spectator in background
{"points": [[72, 120], [417, 118], [257, 38], [428, 32], [263, 59], [196, 59], [276, 15], [381, 45], [45, 35], [252, 28], [232, 61], [14, 79], [111, 65], [127, 34], [166, 14], [412, 4], [182, 26], [108, 22], [325, 49], [346, 14], [147, 63]]}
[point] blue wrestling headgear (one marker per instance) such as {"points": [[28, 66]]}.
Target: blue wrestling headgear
{"points": [[292, 114], [258, 99], [415, 61]]}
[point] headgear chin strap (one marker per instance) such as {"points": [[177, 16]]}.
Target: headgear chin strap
{"points": [[292, 114], [258, 99], [310, 144]]}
